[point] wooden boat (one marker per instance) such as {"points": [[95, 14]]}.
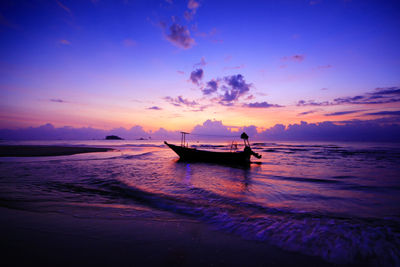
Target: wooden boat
{"points": [[192, 154]]}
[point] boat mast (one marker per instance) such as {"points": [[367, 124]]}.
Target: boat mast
{"points": [[183, 139]]}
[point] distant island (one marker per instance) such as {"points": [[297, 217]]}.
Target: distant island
{"points": [[113, 137]]}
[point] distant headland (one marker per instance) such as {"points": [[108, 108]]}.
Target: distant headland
{"points": [[113, 137]]}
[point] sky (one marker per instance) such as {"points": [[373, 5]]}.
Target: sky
{"points": [[177, 65]]}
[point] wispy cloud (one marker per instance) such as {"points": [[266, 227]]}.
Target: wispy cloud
{"points": [[180, 101], [339, 113], [328, 66], [63, 6], [129, 42], [381, 113], [196, 76], [261, 105], [382, 95], [64, 42], [193, 5], [155, 108], [57, 100], [307, 112], [314, 2], [202, 63], [235, 67], [295, 58]]}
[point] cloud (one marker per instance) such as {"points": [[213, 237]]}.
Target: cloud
{"points": [[65, 42], [57, 100], [129, 42], [261, 105], [295, 36], [180, 101], [188, 15], [379, 130], [192, 6], [307, 112], [324, 66], [155, 108], [63, 6], [202, 62], [212, 87], [235, 67], [196, 76], [356, 130], [381, 113], [179, 35], [212, 127], [382, 95], [180, 72], [295, 58], [235, 87], [339, 113], [314, 2]]}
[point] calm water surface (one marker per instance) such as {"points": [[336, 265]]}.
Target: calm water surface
{"points": [[339, 201]]}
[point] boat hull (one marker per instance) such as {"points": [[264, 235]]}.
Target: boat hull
{"points": [[192, 154]]}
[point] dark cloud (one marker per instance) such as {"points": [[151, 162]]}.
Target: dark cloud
{"points": [[262, 105], [212, 87], [379, 130], [196, 76], [387, 91], [57, 100], [382, 95], [381, 113], [343, 112], [180, 101], [356, 130], [179, 35], [155, 108], [235, 87]]}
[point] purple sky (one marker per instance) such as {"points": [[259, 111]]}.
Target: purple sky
{"points": [[179, 64]]}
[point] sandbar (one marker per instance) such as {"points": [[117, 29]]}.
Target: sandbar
{"points": [[43, 151]]}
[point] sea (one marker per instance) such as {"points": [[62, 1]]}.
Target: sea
{"points": [[337, 201]]}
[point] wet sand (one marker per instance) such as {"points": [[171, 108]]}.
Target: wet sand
{"points": [[54, 239], [41, 151]]}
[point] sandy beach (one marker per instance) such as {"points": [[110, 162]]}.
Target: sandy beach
{"points": [[53, 239], [41, 151]]}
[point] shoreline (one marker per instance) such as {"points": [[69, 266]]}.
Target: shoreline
{"points": [[45, 151], [49, 239]]}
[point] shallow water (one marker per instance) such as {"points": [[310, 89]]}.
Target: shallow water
{"points": [[339, 201]]}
